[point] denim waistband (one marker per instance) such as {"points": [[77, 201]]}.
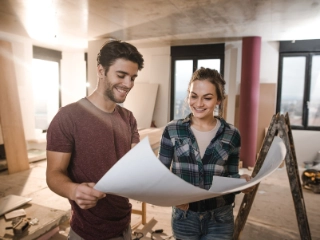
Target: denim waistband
{"points": [[209, 204]]}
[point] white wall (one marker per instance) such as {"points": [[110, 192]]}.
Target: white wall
{"points": [[269, 62], [73, 77], [307, 145]]}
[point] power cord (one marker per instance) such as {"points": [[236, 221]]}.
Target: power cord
{"points": [[138, 235], [167, 238], [156, 231]]}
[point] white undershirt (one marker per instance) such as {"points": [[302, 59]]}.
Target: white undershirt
{"points": [[204, 138]]}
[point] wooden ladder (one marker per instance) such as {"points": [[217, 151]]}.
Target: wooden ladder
{"points": [[279, 126]]}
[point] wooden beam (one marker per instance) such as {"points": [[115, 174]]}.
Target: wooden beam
{"points": [[10, 113], [142, 212]]}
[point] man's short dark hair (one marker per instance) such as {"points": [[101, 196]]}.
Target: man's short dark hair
{"points": [[115, 49]]}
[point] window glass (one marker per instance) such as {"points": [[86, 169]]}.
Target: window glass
{"points": [[314, 103], [209, 63], [182, 75], [45, 77], [292, 91]]}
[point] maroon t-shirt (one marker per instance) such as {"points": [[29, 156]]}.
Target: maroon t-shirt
{"points": [[97, 140]]}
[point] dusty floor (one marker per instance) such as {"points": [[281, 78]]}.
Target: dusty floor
{"points": [[272, 215]]}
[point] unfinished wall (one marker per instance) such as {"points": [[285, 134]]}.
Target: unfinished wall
{"points": [[157, 70]]}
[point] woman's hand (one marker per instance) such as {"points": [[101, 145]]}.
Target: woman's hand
{"points": [[247, 178], [183, 207]]}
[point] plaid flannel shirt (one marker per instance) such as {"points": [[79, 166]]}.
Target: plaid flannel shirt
{"points": [[180, 152]]}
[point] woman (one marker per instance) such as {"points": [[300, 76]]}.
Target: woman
{"points": [[198, 147]]}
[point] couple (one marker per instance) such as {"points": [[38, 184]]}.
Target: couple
{"points": [[86, 138]]}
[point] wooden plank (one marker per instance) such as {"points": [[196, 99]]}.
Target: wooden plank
{"points": [[10, 113], [267, 108], [225, 108], [142, 212], [237, 111], [49, 219]]}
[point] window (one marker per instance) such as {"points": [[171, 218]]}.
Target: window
{"points": [[299, 83], [185, 60], [46, 85]]}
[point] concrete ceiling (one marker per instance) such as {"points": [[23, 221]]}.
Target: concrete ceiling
{"points": [[67, 24]]}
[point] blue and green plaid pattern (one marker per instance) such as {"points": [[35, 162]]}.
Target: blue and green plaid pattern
{"points": [[180, 152]]}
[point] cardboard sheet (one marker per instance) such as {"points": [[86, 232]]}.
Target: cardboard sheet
{"points": [[141, 176], [141, 101], [11, 202]]}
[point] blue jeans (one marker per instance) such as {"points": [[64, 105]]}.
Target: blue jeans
{"points": [[209, 225]]}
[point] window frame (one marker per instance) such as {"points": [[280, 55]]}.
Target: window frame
{"points": [[303, 48]]}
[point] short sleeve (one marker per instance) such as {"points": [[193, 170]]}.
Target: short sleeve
{"points": [[60, 133]]}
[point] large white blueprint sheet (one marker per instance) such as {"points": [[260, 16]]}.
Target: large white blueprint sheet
{"points": [[141, 176]]}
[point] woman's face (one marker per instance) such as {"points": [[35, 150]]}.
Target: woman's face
{"points": [[202, 99]]}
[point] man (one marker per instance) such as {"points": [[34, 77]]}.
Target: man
{"points": [[86, 138]]}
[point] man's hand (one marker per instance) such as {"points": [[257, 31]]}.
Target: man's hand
{"points": [[183, 207], [86, 196], [247, 178]]}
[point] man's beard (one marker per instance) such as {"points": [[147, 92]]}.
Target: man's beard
{"points": [[110, 94]]}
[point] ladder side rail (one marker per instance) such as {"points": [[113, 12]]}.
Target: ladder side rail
{"points": [[248, 198], [295, 162], [293, 151], [294, 181]]}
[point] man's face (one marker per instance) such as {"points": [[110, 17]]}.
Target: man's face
{"points": [[119, 79]]}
